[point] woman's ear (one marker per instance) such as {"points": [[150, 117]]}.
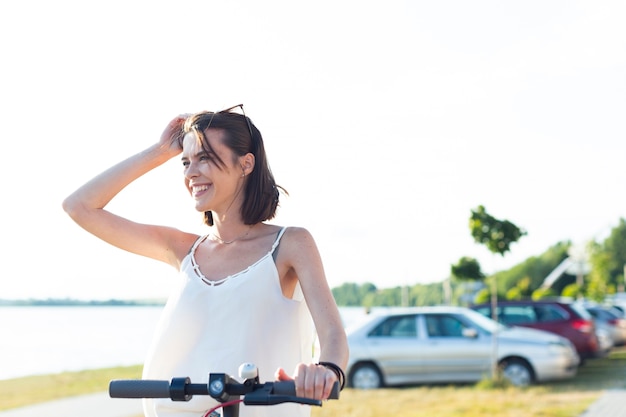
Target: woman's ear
{"points": [[247, 162]]}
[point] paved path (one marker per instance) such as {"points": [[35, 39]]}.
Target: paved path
{"points": [[93, 405], [611, 404]]}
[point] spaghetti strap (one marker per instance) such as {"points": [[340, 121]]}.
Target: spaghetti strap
{"points": [[274, 250], [199, 240]]}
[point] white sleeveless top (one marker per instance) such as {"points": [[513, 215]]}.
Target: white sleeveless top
{"points": [[215, 326]]}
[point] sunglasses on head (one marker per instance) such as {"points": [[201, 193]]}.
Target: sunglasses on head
{"points": [[228, 110]]}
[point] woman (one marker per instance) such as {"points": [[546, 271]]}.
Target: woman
{"points": [[247, 290]]}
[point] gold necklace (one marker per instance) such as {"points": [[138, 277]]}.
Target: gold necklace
{"points": [[213, 236]]}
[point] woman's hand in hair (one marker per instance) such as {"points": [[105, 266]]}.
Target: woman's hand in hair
{"points": [[172, 136]]}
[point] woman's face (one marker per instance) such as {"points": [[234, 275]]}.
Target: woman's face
{"points": [[213, 187]]}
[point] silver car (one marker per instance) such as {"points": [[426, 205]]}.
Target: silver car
{"points": [[610, 321], [451, 344]]}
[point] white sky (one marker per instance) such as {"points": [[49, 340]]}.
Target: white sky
{"points": [[387, 121]]}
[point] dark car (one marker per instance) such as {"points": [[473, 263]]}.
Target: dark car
{"points": [[564, 318]]}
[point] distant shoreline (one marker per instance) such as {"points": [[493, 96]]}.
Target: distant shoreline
{"points": [[68, 302]]}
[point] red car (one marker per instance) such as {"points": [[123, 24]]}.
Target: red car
{"points": [[564, 318]]}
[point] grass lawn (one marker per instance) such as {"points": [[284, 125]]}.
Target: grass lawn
{"points": [[35, 389], [560, 399]]}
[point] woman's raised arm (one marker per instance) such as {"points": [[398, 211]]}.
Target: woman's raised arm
{"points": [[86, 205]]}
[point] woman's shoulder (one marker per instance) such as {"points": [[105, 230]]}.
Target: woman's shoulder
{"points": [[291, 236], [297, 238], [183, 243], [291, 232]]}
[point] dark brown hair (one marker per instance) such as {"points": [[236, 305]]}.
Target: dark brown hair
{"points": [[261, 194]]}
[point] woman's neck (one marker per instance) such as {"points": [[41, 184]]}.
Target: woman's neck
{"points": [[229, 232]]}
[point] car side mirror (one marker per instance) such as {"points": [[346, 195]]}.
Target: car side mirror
{"points": [[470, 333]]}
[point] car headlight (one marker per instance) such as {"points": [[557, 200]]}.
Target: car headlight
{"points": [[560, 348]]}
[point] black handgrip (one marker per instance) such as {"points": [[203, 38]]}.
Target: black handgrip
{"points": [[289, 388], [139, 388]]}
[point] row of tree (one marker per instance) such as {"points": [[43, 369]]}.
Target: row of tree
{"points": [[605, 260]]}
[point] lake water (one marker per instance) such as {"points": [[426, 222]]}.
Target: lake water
{"points": [[43, 340]]}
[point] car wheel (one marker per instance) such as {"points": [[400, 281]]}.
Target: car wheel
{"points": [[517, 372], [366, 376]]}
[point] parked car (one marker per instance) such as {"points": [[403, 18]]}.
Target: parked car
{"points": [[610, 320], [619, 309], [604, 341], [451, 345], [565, 318], [618, 302]]}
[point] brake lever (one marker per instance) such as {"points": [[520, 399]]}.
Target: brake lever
{"points": [[264, 396]]}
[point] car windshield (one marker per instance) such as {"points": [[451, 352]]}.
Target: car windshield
{"points": [[581, 310], [484, 322], [604, 313]]}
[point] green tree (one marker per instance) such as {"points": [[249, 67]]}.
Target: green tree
{"points": [[536, 268], [520, 290], [426, 294], [351, 294], [608, 262], [482, 296], [540, 293], [572, 291], [497, 235], [467, 269], [514, 294], [386, 297]]}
